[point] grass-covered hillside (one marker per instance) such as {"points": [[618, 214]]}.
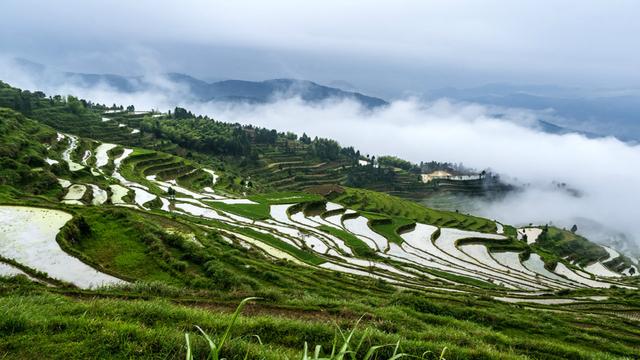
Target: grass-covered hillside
{"points": [[121, 231], [268, 160]]}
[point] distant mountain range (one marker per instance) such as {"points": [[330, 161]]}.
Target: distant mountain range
{"points": [[561, 109], [602, 112], [200, 90], [268, 90]]}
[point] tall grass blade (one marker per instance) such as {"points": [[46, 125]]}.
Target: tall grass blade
{"points": [[335, 344], [305, 355], [344, 350], [246, 354], [233, 320], [372, 350], [212, 345], [364, 336], [189, 354]]}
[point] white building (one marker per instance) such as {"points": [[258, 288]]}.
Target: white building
{"points": [[439, 174]]}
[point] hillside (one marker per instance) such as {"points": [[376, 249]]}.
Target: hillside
{"points": [[273, 161], [120, 231]]}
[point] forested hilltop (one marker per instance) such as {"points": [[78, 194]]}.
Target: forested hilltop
{"points": [[122, 230]]}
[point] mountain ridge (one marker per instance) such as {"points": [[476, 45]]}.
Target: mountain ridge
{"points": [[230, 90], [593, 113]]}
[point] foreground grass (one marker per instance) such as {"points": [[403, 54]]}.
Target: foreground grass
{"points": [[347, 345], [67, 329], [99, 325]]}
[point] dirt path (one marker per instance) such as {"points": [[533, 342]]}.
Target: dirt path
{"points": [[229, 306]]}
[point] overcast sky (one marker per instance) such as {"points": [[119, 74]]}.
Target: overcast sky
{"points": [[387, 48]]}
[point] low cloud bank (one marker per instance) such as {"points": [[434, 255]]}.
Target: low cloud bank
{"points": [[603, 170]]}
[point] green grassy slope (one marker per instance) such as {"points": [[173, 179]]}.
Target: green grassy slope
{"points": [[567, 244], [266, 159], [76, 325], [22, 155], [360, 199]]}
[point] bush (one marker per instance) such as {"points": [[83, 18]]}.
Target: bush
{"points": [[221, 277], [154, 288], [179, 265]]}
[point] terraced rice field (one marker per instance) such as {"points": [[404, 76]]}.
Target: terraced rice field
{"points": [[563, 270], [359, 226], [531, 234], [74, 194], [67, 154], [511, 260], [10, 270], [101, 154], [295, 171], [99, 196], [599, 269], [28, 236], [422, 256], [118, 193]]}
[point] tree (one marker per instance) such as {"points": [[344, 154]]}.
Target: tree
{"points": [[574, 228], [171, 192], [74, 105], [83, 226], [181, 113]]}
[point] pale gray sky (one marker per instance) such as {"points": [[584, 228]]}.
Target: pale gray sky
{"points": [[384, 47]]}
